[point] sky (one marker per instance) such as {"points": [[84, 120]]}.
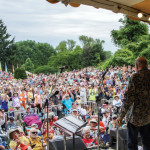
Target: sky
{"points": [[43, 22]]}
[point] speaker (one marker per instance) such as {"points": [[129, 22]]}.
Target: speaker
{"points": [[58, 143]]}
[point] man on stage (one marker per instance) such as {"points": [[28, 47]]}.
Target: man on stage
{"points": [[136, 105]]}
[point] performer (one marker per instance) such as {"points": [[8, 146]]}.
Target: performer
{"points": [[136, 105]]}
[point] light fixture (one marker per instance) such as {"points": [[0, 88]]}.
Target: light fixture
{"points": [[148, 18], [140, 15]]}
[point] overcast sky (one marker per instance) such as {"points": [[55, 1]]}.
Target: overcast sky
{"points": [[51, 23]]}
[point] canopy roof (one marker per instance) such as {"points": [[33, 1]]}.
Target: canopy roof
{"points": [[129, 7]]}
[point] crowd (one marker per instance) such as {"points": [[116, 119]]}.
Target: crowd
{"points": [[23, 113]]}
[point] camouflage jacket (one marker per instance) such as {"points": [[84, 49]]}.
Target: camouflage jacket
{"points": [[136, 102]]}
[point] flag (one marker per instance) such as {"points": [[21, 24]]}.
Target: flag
{"points": [[0, 67], [6, 68], [13, 70]]}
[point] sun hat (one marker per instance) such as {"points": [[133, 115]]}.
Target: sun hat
{"points": [[11, 131], [93, 120], [114, 116], [116, 96], [75, 110], [106, 111], [50, 115]]}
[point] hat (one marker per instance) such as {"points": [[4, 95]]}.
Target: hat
{"points": [[93, 120], [15, 93], [116, 96], [34, 125], [75, 110], [27, 106], [114, 116], [50, 115], [78, 96], [106, 111], [11, 118], [11, 131], [106, 103]]}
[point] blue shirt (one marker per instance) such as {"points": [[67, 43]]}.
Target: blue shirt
{"points": [[68, 103], [4, 104]]}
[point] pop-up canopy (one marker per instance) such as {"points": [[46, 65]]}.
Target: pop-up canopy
{"points": [[135, 9]]}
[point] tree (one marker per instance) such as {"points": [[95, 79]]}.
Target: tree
{"points": [[131, 31], [133, 39], [5, 43], [61, 47], [29, 66], [39, 53], [20, 73], [146, 53], [70, 45], [93, 52], [108, 54], [86, 41]]}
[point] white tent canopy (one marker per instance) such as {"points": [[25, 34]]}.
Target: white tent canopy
{"points": [[135, 9]]}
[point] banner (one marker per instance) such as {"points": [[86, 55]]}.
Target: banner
{"points": [[6, 68], [0, 67], [13, 70]]}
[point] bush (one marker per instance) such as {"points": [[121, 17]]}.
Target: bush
{"points": [[45, 69], [29, 66], [20, 73]]}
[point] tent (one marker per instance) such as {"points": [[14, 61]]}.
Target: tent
{"points": [[134, 9]]}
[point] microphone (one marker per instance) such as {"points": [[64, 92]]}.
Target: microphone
{"points": [[104, 73], [55, 93], [46, 102]]}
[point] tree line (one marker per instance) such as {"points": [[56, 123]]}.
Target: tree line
{"points": [[42, 57], [132, 40]]}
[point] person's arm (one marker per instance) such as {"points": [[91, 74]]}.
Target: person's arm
{"points": [[71, 95], [5, 120], [102, 127], [64, 97], [94, 141], [2, 147]]}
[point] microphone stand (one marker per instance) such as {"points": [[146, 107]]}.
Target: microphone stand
{"points": [[98, 101], [46, 104], [47, 126]]}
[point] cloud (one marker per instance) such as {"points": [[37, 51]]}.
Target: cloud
{"points": [[44, 22]]}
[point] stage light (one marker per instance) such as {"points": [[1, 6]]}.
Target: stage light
{"points": [[140, 15]]}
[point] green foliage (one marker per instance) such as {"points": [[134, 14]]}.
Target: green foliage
{"points": [[108, 54], [146, 53], [86, 41], [114, 61], [20, 73], [5, 43], [133, 39], [75, 57], [131, 31], [45, 69], [93, 52], [39, 53], [29, 66], [72, 59], [125, 53]]}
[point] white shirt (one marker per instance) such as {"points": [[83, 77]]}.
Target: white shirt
{"points": [[117, 103], [105, 120]]}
